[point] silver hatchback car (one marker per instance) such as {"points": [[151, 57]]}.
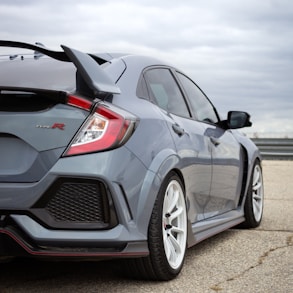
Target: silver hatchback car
{"points": [[117, 156]]}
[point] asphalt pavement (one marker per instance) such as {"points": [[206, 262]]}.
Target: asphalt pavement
{"points": [[257, 260]]}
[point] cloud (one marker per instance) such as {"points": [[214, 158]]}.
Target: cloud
{"points": [[240, 53]]}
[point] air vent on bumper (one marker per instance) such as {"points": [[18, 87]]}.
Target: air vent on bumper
{"points": [[76, 204]]}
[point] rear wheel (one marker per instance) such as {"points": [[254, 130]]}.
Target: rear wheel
{"points": [[253, 208], [167, 234]]}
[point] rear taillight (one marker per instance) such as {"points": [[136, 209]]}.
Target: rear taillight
{"points": [[104, 129]]}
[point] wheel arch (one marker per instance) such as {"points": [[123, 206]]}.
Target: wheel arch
{"points": [[163, 164], [165, 259], [249, 158]]}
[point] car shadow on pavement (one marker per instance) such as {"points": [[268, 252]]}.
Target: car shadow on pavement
{"points": [[32, 275]]}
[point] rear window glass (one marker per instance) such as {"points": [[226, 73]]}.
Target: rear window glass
{"points": [[25, 101], [42, 73]]}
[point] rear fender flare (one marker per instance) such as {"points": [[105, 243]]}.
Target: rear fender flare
{"points": [[162, 164]]}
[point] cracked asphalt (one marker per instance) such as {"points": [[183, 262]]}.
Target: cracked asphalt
{"points": [[259, 260]]}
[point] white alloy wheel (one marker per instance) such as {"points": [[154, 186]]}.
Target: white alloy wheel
{"points": [[167, 234], [257, 193], [254, 203], [174, 224]]}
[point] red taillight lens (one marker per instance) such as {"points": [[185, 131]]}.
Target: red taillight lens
{"points": [[105, 129]]}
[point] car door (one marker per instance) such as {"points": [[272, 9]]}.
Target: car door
{"points": [[188, 136], [227, 172], [225, 152]]}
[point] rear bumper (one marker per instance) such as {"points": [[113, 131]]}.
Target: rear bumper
{"points": [[29, 238], [34, 222]]}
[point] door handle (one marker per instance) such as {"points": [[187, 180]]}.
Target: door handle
{"points": [[214, 141], [177, 129]]}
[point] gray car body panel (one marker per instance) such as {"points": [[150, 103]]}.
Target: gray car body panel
{"points": [[132, 173]]}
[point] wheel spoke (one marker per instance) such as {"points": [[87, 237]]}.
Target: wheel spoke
{"points": [[175, 244], [173, 255], [177, 230], [257, 186], [176, 213], [256, 177], [167, 246], [257, 197], [257, 207], [173, 196], [167, 201]]}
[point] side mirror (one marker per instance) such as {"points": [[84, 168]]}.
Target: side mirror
{"points": [[238, 119]]}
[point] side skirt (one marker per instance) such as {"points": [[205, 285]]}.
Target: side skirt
{"points": [[204, 229]]}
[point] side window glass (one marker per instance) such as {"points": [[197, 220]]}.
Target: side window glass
{"points": [[141, 90], [165, 92], [200, 105]]}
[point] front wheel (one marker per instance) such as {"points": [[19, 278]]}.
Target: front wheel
{"points": [[253, 208], [167, 234]]}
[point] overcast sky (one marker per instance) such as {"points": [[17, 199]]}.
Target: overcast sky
{"points": [[239, 52]]}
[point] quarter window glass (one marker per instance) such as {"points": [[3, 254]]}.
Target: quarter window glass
{"points": [[201, 106], [165, 91]]}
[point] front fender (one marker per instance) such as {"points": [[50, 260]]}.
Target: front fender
{"points": [[252, 154]]}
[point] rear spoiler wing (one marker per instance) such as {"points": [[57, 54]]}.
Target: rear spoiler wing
{"points": [[97, 81]]}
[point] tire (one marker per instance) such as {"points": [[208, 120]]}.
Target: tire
{"points": [[253, 208], [167, 235]]}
